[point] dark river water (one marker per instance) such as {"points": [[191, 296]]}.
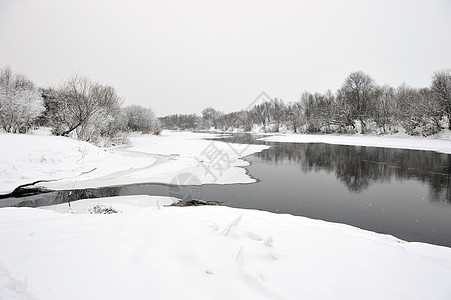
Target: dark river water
{"points": [[405, 193]]}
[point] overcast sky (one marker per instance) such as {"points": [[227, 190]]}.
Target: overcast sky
{"points": [[182, 56]]}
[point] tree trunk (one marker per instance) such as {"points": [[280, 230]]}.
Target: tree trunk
{"points": [[362, 125], [66, 133]]}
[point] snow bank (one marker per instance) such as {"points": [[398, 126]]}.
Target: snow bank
{"points": [[206, 253], [25, 158], [403, 142], [74, 164]]}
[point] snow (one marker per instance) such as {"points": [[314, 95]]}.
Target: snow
{"points": [[150, 251], [206, 253], [441, 144], [75, 164]]}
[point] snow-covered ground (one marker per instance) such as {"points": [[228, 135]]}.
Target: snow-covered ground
{"points": [[25, 158], [149, 251], [438, 144], [206, 253]]}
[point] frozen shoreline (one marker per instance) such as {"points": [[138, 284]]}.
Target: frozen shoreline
{"points": [[75, 164], [442, 145]]}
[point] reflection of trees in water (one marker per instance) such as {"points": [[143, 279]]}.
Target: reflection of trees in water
{"points": [[59, 197], [89, 193], [358, 166]]}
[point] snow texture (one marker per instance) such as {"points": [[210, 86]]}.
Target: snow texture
{"points": [[182, 253]]}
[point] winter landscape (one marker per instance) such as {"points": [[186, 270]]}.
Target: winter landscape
{"points": [[213, 150], [146, 247]]}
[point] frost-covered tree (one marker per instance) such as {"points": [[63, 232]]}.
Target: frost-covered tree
{"points": [[359, 90], [244, 118], [407, 113], [261, 114], [277, 109], [359, 101], [210, 117], [383, 110], [327, 112], [419, 111], [430, 112], [441, 89], [181, 122], [344, 114], [20, 102], [141, 119], [86, 108], [309, 103], [293, 114]]}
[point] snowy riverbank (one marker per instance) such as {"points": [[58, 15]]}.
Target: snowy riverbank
{"points": [[71, 164], [25, 158], [206, 253], [439, 144], [148, 250]]}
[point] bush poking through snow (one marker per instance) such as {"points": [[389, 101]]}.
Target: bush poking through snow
{"points": [[102, 209], [157, 205], [269, 242]]}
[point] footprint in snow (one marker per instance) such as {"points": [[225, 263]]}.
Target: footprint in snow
{"points": [[231, 227], [269, 243], [254, 236]]}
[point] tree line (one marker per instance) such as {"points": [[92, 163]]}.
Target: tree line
{"points": [[91, 111], [79, 107], [359, 106]]}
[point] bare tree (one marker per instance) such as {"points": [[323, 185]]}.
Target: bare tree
{"points": [[210, 117], [430, 112], [293, 113], [407, 109], [327, 112], [260, 114], [384, 108], [87, 108], [309, 104], [277, 112], [245, 120], [344, 113], [441, 89], [359, 90], [419, 111], [181, 122]]}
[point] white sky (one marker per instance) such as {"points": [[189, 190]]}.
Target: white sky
{"points": [[181, 56]]}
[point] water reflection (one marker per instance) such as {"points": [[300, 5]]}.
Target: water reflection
{"points": [[58, 197], [357, 166]]}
